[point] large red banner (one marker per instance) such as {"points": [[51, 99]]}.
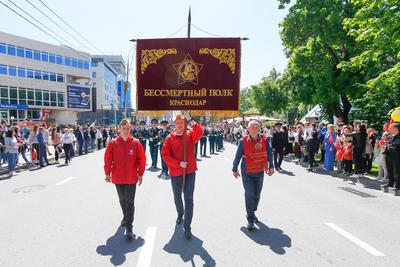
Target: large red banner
{"points": [[200, 75]]}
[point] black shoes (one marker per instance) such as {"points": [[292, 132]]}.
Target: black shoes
{"points": [[250, 226], [256, 219], [188, 234], [179, 220], [129, 234]]}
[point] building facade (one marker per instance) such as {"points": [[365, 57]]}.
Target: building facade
{"points": [[43, 81]]}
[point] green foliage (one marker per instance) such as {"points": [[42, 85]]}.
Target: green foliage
{"points": [[268, 95]]}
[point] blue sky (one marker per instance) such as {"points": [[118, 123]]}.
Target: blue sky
{"points": [[110, 24]]}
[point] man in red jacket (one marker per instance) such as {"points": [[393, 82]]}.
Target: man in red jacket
{"points": [[124, 165], [172, 153]]}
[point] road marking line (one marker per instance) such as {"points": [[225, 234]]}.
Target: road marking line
{"points": [[355, 240], [147, 249], [66, 180]]}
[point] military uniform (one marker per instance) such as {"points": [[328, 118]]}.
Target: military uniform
{"points": [[153, 144], [142, 136], [203, 143], [162, 135], [211, 140]]}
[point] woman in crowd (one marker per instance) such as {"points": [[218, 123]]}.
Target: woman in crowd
{"points": [[21, 144], [56, 141], [298, 141], [33, 142], [11, 145], [99, 138], [369, 149], [330, 150], [381, 157]]}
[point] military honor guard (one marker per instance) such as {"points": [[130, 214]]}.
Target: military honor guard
{"points": [[203, 142], [211, 140], [162, 135], [152, 134], [135, 132], [173, 155], [124, 166], [255, 154], [142, 134]]}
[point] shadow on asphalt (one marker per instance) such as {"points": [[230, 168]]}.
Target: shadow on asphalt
{"points": [[117, 246], [187, 249], [273, 238], [288, 173]]}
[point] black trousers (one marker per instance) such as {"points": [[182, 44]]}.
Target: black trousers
{"points": [[126, 195], [67, 150], [203, 146], [359, 161], [368, 162], [348, 165], [278, 157], [98, 144]]}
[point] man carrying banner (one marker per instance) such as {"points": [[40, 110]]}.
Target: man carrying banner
{"points": [[255, 153], [173, 155], [124, 166]]}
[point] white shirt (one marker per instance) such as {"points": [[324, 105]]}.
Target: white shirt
{"points": [[67, 138]]}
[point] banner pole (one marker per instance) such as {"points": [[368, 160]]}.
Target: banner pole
{"points": [[185, 122]]}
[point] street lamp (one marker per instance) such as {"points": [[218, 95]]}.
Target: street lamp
{"points": [[128, 67]]}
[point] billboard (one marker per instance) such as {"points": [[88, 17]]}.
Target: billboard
{"points": [[78, 97]]}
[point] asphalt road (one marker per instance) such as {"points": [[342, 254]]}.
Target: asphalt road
{"points": [[69, 216]]}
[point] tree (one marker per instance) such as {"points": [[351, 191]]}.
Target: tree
{"points": [[376, 27], [268, 95], [317, 45], [247, 104]]}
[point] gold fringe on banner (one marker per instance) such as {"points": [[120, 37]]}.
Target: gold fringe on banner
{"points": [[197, 113]]}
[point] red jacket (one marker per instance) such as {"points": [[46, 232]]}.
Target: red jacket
{"points": [[125, 161], [172, 151]]}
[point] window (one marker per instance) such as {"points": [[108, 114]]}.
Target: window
{"points": [[31, 97], [67, 61], [45, 56], [46, 98], [59, 60], [52, 58], [94, 84], [86, 65], [38, 97], [94, 74], [53, 99], [60, 78], [11, 50], [4, 95], [94, 64], [29, 73], [60, 98], [45, 75], [3, 69], [53, 77], [20, 51], [3, 48], [13, 95], [28, 53], [22, 95], [80, 64], [38, 74], [36, 55], [74, 62], [21, 72], [12, 71]]}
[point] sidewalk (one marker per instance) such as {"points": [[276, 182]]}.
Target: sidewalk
{"points": [[22, 166], [368, 181]]}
